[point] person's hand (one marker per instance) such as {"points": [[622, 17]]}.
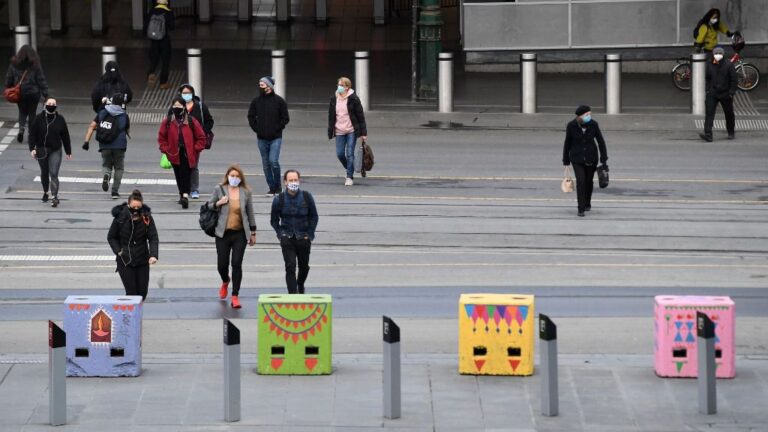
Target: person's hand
{"points": [[222, 201], [33, 153], [364, 138], [152, 260], [252, 240], [86, 144], [69, 157], [104, 100]]}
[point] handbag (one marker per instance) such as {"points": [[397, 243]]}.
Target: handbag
{"points": [[367, 158], [602, 176], [13, 94], [164, 162], [209, 218], [208, 140], [567, 184]]}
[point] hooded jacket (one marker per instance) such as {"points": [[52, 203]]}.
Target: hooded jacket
{"points": [[268, 116], [49, 131], [123, 124], [34, 82], [193, 134], [580, 145], [109, 84], [722, 81], [355, 109], [133, 241]]}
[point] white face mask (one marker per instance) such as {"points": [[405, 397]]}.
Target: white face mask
{"points": [[713, 21], [293, 187], [234, 181], [718, 57]]}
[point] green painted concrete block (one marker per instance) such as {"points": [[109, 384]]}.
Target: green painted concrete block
{"points": [[295, 334]]}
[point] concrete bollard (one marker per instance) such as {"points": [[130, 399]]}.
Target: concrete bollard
{"points": [[705, 347], [528, 100], [21, 36], [278, 72], [97, 17], [362, 83], [231, 372], [445, 82], [195, 70], [698, 83], [550, 399], [392, 377], [108, 54], [244, 11], [57, 375], [613, 83]]}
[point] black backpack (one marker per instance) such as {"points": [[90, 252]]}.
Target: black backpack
{"points": [[107, 130]]}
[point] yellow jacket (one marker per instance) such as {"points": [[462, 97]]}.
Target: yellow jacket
{"points": [[707, 35]]}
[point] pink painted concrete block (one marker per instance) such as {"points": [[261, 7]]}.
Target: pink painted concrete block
{"points": [[674, 325]]}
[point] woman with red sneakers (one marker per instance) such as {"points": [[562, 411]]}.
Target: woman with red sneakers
{"points": [[236, 226]]}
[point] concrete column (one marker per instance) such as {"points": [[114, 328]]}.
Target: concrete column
{"points": [[97, 17], [283, 11], [137, 17], [321, 12], [108, 54], [278, 72], [613, 83], [445, 82], [362, 87], [244, 11], [195, 70], [380, 11], [14, 14], [21, 37], [528, 98], [58, 14], [204, 11], [698, 83]]}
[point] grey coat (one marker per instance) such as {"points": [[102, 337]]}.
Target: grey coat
{"points": [[246, 210]]}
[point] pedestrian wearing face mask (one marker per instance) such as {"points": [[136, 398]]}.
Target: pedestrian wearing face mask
{"points": [[110, 83], [582, 140], [706, 30], [48, 134], [346, 122], [181, 138], [134, 241], [236, 226], [200, 112], [721, 85], [268, 116], [112, 127], [294, 218]]}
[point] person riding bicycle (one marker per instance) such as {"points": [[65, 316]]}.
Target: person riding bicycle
{"points": [[705, 32]]}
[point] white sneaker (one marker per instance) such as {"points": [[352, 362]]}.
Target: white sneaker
{"points": [[348, 182]]}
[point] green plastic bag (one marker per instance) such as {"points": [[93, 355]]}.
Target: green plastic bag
{"points": [[164, 162]]}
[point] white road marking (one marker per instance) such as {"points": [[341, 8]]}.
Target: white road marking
{"points": [[56, 257], [125, 181], [7, 140], [3, 147]]}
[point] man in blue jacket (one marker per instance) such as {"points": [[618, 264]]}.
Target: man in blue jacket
{"points": [[294, 218], [112, 128]]}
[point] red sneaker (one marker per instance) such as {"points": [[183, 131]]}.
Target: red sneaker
{"points": [[235, 302], [223, 291]]}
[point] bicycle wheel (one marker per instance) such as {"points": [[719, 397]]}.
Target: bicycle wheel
{"points": [[748, 77], [681, 76]]}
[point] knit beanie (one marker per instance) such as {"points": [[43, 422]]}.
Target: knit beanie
{"points": [[582, 109], [269, 81], [718, 50]]}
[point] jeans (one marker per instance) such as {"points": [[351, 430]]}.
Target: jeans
{"points": [[113, 159], [345, 151], [49, 171], [585, 176], [194, 177], [711, 106], [160, 52], [27, 109], [135, 279], [270, 161], [295, 249], [234, 242]]}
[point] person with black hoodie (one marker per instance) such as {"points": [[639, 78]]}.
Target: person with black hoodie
{"points": [[134, 241], [346, 122], [580, 151], [268, 116], [25, 68], [197, 109], [721, 85], [112, 82], [48, 133]]}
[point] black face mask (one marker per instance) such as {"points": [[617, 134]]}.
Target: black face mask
{"points": [[263, 90], [134, 211], [50, 108], [178, 111]]}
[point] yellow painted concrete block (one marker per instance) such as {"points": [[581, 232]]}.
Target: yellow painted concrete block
{"points": [[496, 334]]}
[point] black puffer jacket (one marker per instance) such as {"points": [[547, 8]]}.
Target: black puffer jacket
{"points": [[580, 145], [721, 79], [133, 241], [49, 131], [110, 83], [34, 81], [268, 116], [355, 109]]}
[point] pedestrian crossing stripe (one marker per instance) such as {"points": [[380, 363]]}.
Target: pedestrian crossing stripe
{"points": [[741, 125], [91, 180], [57, 257]]}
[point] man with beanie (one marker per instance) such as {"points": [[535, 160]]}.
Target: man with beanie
{"points": [[268, 116], [580, 151], [721, 86]]}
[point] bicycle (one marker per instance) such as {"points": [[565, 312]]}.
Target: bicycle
{"points": [[747, 74]]}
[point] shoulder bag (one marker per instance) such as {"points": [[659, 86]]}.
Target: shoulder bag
{"points": [[13, 94]]}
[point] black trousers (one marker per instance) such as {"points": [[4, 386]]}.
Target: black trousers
{"points": [[183, 173], [160, 52], [233, 242], [27, 109], [295, 250], [585, 176], [135, 279], [711, 106]]}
